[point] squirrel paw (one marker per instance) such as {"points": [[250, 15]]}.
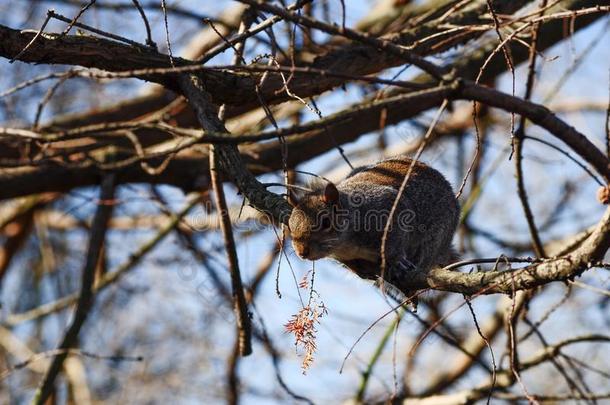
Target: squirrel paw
{"points": [[408, 298]]}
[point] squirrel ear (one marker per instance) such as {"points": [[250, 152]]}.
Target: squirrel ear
{"points": [[331, 194]]}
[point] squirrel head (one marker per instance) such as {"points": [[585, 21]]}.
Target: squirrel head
{"points": [[312, 222]]}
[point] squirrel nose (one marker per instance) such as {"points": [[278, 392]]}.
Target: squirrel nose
{"points": [[304, 251]]}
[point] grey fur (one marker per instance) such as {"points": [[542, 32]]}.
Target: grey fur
{"points": [[422, 228]]}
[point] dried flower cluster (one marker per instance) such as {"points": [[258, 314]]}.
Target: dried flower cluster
{"points": [[303, 324]]}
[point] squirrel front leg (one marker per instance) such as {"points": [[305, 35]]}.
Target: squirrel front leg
{"points": [[395, 273], [363, 268], [399, 270]]}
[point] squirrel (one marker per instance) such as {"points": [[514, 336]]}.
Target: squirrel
{"points": [[347, 221]]}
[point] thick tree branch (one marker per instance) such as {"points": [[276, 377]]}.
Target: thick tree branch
{"points": [[224, 87], [101, 53], [184, 171], [562, 268], [85, 299], [362, 60], [231, 162]]}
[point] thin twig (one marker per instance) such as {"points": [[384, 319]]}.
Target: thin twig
{"points": [[38, 34], [488, 344], [518, 144], [239, 300], [167, 40], [403, 186], [110, 35], [72, 22], [149, 40]]}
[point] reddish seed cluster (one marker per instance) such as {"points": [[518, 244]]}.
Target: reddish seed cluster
{"points": [[303, 326]]}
